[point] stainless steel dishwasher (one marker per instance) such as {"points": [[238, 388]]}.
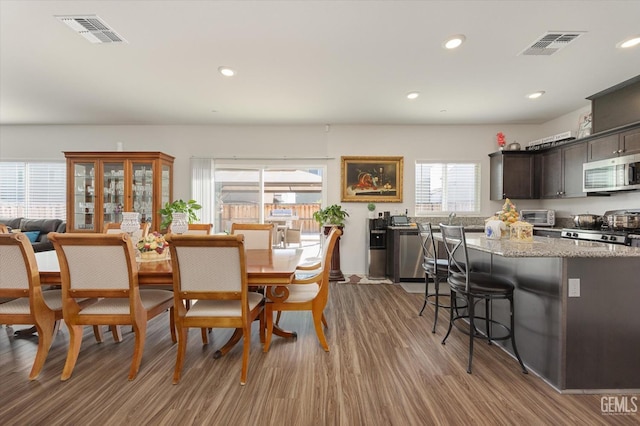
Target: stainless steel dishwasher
{"points": [[410, 256]]}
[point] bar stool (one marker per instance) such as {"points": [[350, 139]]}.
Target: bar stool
{"points": [[434, 268], [474, 287]]}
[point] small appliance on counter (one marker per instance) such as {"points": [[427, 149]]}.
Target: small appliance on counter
{"points": [[400, 221], [538, 217]]}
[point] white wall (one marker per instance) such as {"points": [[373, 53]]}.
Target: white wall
{"points": [[411, 142]]}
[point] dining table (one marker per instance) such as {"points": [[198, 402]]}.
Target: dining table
{"points": [[272, 269]]}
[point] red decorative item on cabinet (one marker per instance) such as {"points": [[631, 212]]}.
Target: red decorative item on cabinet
{"points": [[501, 139]]}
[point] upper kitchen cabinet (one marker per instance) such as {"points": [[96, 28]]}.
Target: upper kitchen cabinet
{"points": [[102, 185], [615, 145], [513, 175], [561, 171]]}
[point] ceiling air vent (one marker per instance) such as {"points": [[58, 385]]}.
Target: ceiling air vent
{"points": [[551, 42], [92, 28]]}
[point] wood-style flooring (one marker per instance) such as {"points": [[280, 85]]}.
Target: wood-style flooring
{"points": [[385, 368]]}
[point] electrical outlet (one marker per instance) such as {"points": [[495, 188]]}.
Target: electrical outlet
{"points": [[574, 287]]}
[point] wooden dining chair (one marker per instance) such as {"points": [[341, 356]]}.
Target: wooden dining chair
{"points": [[3, 229], [104, 267], [196, 229], [309, 291], [114, 228], [256, 235], [31, 304], [212, 270]]}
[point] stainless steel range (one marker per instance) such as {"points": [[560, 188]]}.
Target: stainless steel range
{"points": [[606, 233], [602, 235]]}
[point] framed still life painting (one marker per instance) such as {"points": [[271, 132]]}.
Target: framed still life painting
{"points": [[371, 179]]}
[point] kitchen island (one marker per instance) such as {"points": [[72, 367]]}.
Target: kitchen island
{"points": [[577, 318]]}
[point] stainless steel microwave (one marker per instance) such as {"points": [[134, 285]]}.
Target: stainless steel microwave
{"points": [[612, 174], [539, 217]]}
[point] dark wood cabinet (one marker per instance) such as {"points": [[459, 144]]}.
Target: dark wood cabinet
{"points": [[630, 142], [513, 175], [602, 148], [561, 172], [615, 145], [573, 157], [551, 174]]}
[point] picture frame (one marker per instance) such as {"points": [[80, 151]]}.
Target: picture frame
{"points": [[584, 125], [371, 179]]}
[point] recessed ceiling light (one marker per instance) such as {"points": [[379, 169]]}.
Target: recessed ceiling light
{"points": [[454, 41], [634, 41], [535, 95], [413, 95], [226, 71]]}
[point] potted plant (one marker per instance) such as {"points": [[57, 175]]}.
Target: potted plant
{"points": [[179, 206], [332, 215], [328, 217], [372, 208]]}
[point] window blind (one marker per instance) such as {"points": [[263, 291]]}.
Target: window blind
{"points": [[447, 187], [35, 190]]}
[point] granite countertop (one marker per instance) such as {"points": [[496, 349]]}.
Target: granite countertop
{"points": [[548, 247], [414, 226]]}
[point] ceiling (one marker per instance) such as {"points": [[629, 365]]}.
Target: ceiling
{"points": [[308, 62]]}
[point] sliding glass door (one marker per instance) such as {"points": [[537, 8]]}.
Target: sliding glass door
{"points": [[276, 193]]}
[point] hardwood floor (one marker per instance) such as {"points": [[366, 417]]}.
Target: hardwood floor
{"points": [[385, 368]]}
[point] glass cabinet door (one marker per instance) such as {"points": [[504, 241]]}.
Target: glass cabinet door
{"points": [[84, 199], [165, 185], [142, 190], [113, 197]]}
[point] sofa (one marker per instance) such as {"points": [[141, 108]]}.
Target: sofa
{"points": [[37, 230]]}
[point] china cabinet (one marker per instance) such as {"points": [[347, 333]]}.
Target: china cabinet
{"points": [[103, 185]]}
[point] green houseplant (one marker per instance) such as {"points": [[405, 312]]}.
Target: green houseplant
{"points": [[332, 215], [179, 206]]}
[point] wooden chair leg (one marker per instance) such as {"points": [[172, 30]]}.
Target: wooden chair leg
{"points": [[56, 327], [75, 340], [278, 314], [268, 313], [182, 348], [324, 321], [205, 337], [46, 331], [172, 325], [140, 330], [262, 326], [317, 323], [116, 332], [246, 345], [97, 332]]}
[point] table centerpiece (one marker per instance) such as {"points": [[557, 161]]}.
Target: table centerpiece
{"points": [[153, 247]]}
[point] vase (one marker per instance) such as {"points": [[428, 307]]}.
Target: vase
{"points": [[179, 223], [130, 222]]}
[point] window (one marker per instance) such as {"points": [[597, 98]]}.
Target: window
{"points": [[253, 193], [33, 189], [447, 187]]}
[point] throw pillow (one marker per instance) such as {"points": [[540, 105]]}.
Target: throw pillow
{"points": [[32, 235]]}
